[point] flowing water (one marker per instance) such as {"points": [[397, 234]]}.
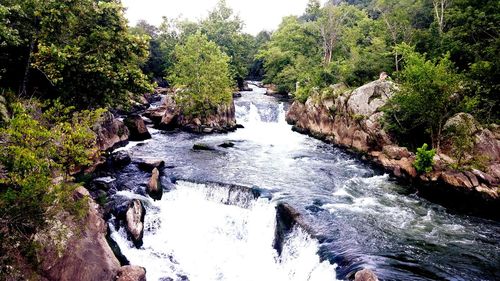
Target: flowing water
{"points": [[359, 217]]}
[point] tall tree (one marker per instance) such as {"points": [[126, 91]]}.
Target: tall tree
{"points": [[201, 72], [225, 29], [81, 49], [398, 17]]}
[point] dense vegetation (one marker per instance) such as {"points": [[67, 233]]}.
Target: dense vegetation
{"points": [[443, 53]]}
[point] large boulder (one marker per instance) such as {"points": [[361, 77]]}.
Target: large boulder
{"points": [[154, 187], [349, 119], [137, 128], [134, 219], [110, 132], [131, 273], [77, 250], [365, 275]]}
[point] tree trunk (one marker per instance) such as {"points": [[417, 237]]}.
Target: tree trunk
{"points": [[26, 77]]}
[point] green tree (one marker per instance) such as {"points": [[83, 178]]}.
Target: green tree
{"points": [[79, 50], [201, 73], [225, 29], [292, 55], [429, 95]]}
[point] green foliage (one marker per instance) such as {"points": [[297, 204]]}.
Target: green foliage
{"points": [[201, 73], [78, 50], [39, 150], [424, 159], [428, 96]]}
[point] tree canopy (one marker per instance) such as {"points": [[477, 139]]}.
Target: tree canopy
{"points": [[201, 73]]}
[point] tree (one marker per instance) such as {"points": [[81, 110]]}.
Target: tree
{"points": [[225, 29], [293, 50], [398, 17], [440, 7], [201, 73], [429, 95], [313, 11], [79, 50]]}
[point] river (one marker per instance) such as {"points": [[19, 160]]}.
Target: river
{"points": [[361, 218]]}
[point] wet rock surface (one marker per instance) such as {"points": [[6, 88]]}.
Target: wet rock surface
{"points": [[134, 218], [137, 128]]}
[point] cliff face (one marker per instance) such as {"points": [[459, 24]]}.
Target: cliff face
{"points": [[169, 116], [352, 119]]}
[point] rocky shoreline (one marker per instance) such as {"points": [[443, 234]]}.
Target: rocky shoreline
{"points": [[353, 120]]}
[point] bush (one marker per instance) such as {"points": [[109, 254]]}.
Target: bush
{"points": [[424, 159], [40, 148]]}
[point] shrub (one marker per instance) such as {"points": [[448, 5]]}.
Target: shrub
{"points": [[424, 159], [40, 148]]}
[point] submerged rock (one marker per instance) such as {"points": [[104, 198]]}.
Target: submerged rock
{"points": [[154, 188], [131, 273], [226, 144], [137, 128], [202, 146], [365, 275], [120, 159], [134, 219], [149, 164]]}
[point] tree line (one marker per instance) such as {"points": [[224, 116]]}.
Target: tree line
{"points": [[443, 53]]}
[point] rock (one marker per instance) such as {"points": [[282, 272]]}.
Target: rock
{"points": [[483, 177], [396, 152], [103, 183], [169, 116], [154, 188], [131, 273], [149, 164], [137, 128], [367, 99], [239, 126], [487, 145], [208, 130], [365, 275], [237, 95], [456, 179], [462, 119], [134, 219], [246, 87], [110, 132], [120, 159], [494, 171], [69, 244], [202, 146], [472, 178], [226, 144]]}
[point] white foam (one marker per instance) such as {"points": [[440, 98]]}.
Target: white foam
{"points": [[208, 240]]}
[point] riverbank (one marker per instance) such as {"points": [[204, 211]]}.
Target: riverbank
{"points": [[353, 120]]}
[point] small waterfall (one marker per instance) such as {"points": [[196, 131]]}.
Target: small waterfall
{"points": [[215, 232]]}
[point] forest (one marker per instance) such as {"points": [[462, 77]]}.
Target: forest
{"points": [[65, 64]]}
